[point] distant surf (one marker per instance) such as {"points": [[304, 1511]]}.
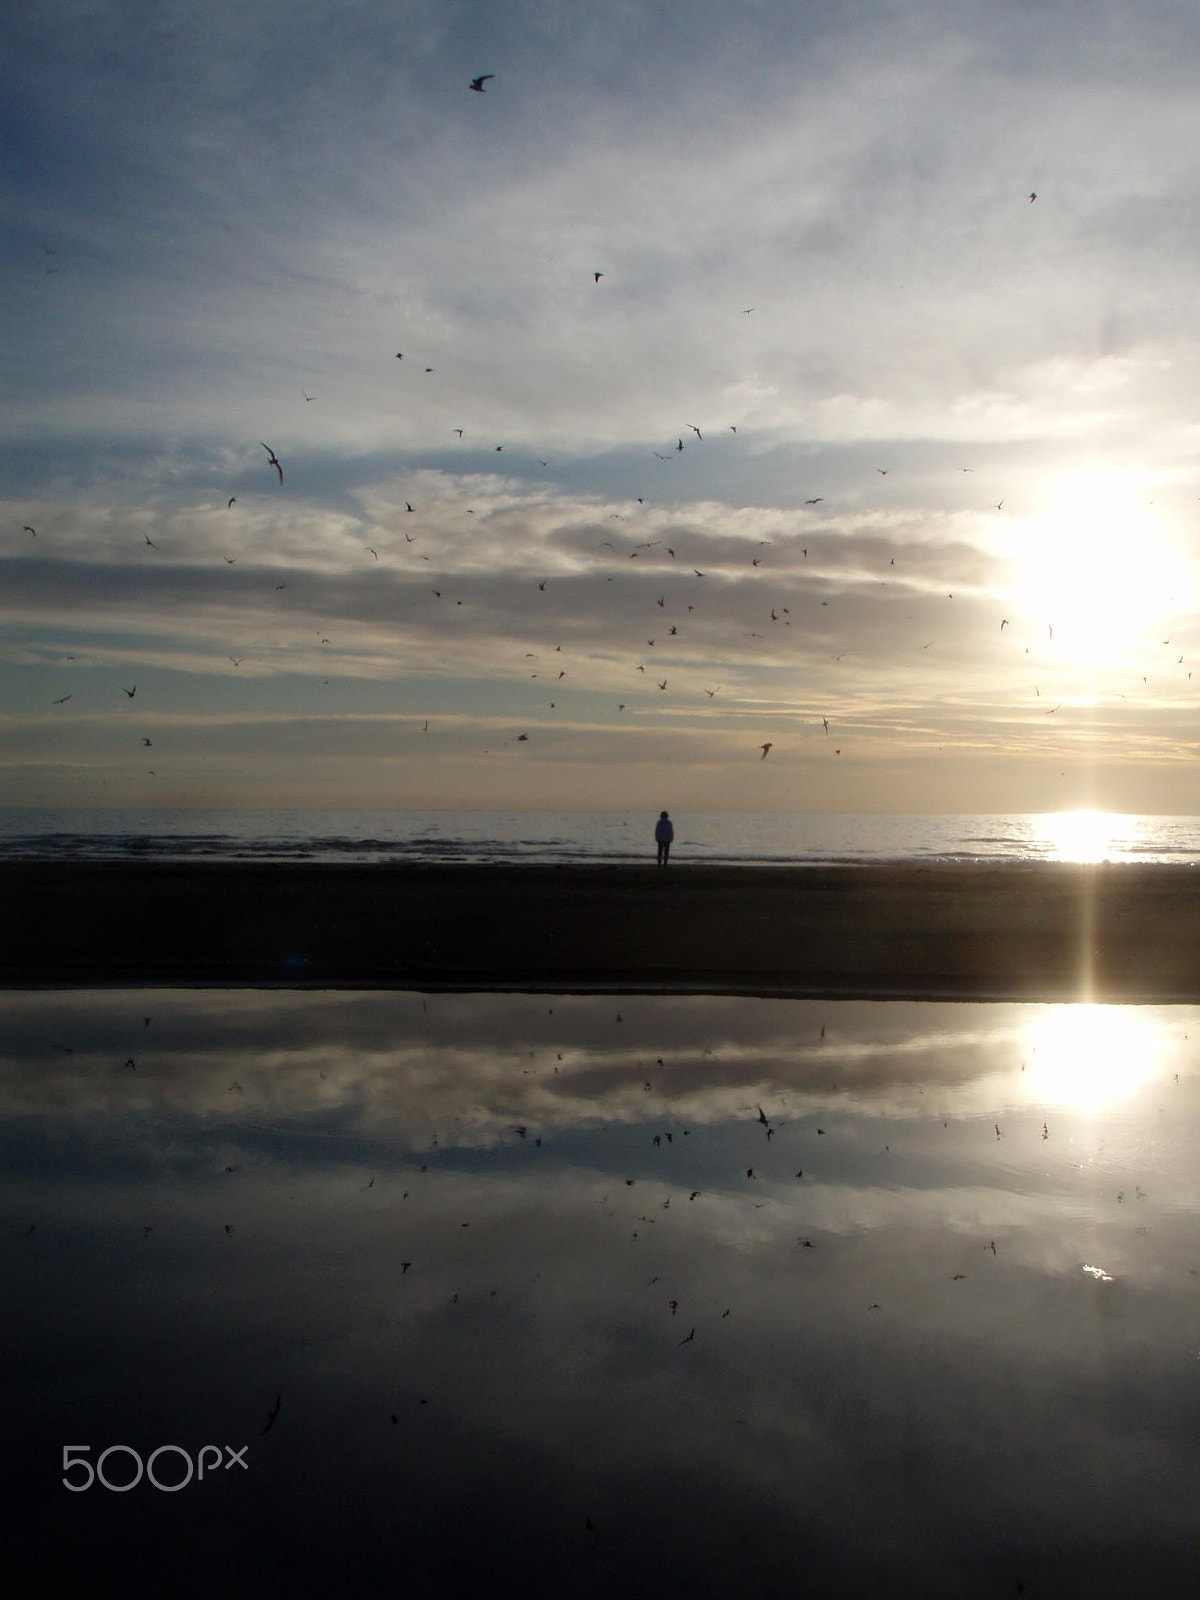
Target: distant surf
{"points": [[719, 837]]}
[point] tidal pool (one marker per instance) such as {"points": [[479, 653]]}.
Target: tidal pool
{"points": [[596, 1295]]}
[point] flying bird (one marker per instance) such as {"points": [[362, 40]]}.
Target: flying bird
{"points": [[64, 700], [478, 83], [274, 1412], [130, 692], [765, 748], [1032, 196], [33, 531], [231, 502], [596, 276], [695, 430], [273, 461]]}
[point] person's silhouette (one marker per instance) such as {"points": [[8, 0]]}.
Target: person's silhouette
{"points": [[664, 832]]}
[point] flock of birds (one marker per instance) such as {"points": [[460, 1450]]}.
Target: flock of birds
{"points": [[687, 630], [683, 614]]}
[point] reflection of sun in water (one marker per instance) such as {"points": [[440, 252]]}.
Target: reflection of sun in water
{"points": [[1076, 835], [1099, 569], [1088, 1056]]}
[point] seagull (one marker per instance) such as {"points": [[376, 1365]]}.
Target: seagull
{"points": [[64, 700], [407, 505], [150, 541], [695, 430], [231, 502], [273, 462], [596, 276], [1032, 196], [1004, 624], [816, 501], [711, 692], [478, 83], [130, 692], [458, 431], [825, 723], [373, 551], [237, 660], [399, 355], [308, 396], [688, 1340], [765, 748], [146, 742], [28, 529]]}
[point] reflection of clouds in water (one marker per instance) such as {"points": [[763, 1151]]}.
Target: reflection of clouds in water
{"points": [[891, 1378], [464, 1068]]}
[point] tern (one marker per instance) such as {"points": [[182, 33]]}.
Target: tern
{"points": [[273, 461], [478, 83]]}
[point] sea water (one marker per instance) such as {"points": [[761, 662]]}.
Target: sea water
{"points": [[763, 838]]}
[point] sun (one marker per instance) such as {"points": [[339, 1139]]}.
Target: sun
{"points": [[1097, 572]]}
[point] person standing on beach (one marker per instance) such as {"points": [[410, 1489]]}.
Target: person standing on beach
{"points": [[664, 832]]}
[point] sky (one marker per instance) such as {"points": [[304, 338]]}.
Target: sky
{"points": [[875, 441]]}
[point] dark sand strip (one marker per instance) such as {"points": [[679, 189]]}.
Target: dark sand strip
{"points": [[1038, 932]]}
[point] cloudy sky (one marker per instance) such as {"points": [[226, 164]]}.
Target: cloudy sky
{"points": [[938, 479]]}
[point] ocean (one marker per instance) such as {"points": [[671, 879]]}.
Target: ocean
{"points": [[723, 837]]}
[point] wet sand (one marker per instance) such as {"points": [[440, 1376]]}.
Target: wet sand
{"points": [[1036, 932]]}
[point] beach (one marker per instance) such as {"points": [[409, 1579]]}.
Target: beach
{"points": [[1026, 932]]}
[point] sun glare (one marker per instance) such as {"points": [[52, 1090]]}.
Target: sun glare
{"points": [[1098, 569], [1089, 1056], [1077, 835]]}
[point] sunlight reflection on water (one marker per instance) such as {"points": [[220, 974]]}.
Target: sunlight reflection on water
{"points": [[634, 1292]]}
